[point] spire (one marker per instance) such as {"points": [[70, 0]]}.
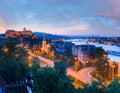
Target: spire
{"points": [[24, 29], [44, 37]]}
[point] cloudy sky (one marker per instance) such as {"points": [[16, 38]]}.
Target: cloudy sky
{"points": [[70, 17]]}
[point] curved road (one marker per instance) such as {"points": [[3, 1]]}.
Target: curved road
{"points": [[82, 75]]}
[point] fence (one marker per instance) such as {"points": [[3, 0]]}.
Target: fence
{"points": [[18, 87], [2, 85]]}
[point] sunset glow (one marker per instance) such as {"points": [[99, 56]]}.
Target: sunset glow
{"points": [[84, 17]]}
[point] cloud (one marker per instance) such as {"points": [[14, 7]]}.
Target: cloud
{"points": [[2, 25], [62, 16], [112, 11], [73, 29]]}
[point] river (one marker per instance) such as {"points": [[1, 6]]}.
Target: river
{"points": [[113, 50]]}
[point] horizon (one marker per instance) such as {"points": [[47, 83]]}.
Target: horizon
{"points": [[66, 35], [80, 17]]}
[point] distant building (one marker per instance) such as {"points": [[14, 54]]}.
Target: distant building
{"points": [[82, 52], [14, 34]]}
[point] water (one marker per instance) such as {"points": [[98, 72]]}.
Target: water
{"points": [[0, 90], [106, 47]]}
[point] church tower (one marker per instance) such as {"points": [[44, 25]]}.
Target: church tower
{"points": [[43, 43]]}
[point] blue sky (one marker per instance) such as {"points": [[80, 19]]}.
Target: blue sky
{"points": [[69, 17]]}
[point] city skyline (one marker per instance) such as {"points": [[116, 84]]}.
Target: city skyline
{"points": [[65, 17]]}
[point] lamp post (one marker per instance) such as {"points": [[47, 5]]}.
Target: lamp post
{"points": [[77, 53], [112, 67]]}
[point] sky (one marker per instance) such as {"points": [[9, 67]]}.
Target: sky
{"points": [[64, 17]]}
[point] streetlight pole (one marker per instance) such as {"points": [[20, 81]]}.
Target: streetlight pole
{"points": [[113, 66], [77, 53]]}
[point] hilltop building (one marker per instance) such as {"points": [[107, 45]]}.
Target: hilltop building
{"points": [[14, 34]]}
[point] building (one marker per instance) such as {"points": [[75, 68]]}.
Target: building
{"points": [[45, 47], [112, 68], [119, 69], [82, 52], [14, 34]]}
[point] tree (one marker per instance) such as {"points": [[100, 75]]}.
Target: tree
{"points": [[95, 87], [13, 70], [98, 53], [35, 65], [78, 65], [99, 59], [48, 80], [103, 67], [69, 62], [13, 65], [113, 87], [61, 67]]}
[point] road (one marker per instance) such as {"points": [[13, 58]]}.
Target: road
{"points": [[82, 75], [44, 61]]}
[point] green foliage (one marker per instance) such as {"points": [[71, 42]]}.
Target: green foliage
{"points": [[61, 67], [99, 60], [113, 87], [98, 53], [95, 87], [103, 67], [70, 62], [35, 65], [68, 51], [48, 80], [13, 65]]}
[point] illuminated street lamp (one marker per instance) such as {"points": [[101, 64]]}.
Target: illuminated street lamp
{"points": [[5, 49], [112, 66]]}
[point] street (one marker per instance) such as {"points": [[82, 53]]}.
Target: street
{"points": [[82, 75]]}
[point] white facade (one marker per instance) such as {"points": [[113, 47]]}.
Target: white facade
{"points": [[82, 52], [75, 51]]}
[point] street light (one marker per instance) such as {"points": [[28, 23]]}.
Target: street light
{"points": [[112, 66], [77, 53]]}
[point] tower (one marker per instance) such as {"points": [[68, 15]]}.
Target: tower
{"points": [[24, 29], [43, 43]]}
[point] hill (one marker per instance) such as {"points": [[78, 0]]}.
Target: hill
{"points": [[49, 36]]}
